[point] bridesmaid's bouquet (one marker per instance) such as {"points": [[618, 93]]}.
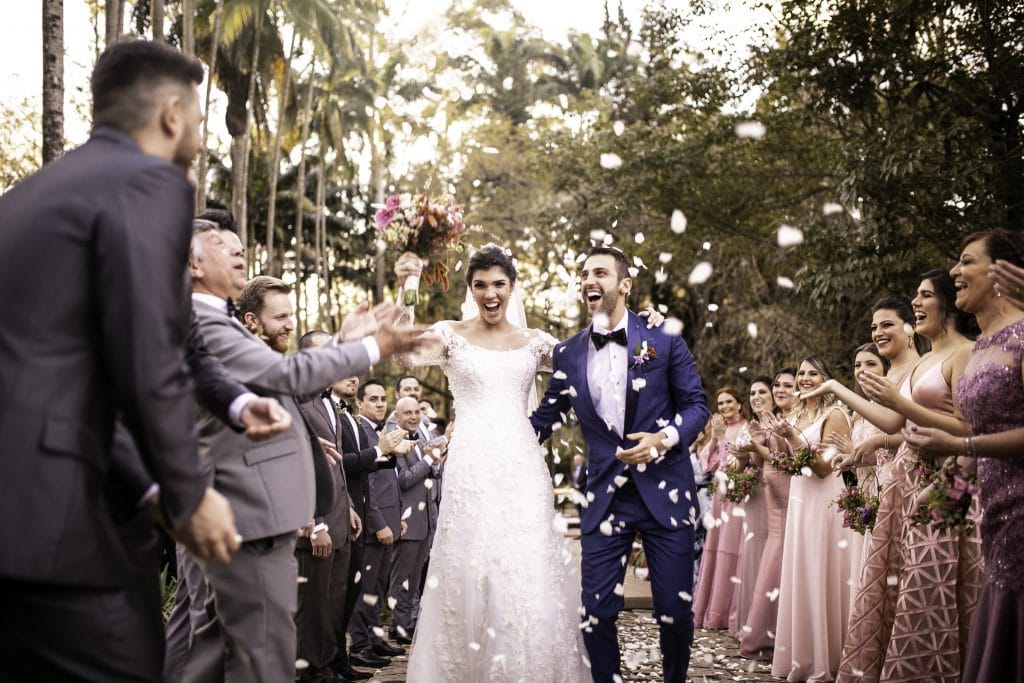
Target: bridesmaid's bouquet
{"points": [[859, 509], [945, 494], [425, 226], [794, 464], [741, 482]]}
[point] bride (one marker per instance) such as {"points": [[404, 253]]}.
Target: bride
{"points": [[501, 601]]}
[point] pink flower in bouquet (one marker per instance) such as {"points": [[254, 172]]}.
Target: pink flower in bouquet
{"points": [[392, 203], [384, 216]]}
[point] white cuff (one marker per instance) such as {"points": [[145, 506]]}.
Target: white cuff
{"points": [[372, 349], [319, 527], [238, 405], [149, 495], [672, 437], [380, 456], [429, 460]]}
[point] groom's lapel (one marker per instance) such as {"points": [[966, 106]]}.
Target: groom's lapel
{"points": [[583, 390], [634, 335]]}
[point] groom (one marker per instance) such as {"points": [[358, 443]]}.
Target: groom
{"points": [[640, 404]]}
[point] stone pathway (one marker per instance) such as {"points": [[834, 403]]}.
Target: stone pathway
{"points": [[715, 656]]}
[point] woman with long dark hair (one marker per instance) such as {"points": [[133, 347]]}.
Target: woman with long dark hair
{"points": [[990, 394]]}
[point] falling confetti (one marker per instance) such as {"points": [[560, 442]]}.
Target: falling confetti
{"points": [[610, 161], [619, 127], [700, 273], [788, 236], [664, 257], [672, 327], [639, 238], [433, 582], [784, 282], [750, 130], [301, 664], [678, 222], [831, 208], [713, 307], [606, 528], [752, 330]]}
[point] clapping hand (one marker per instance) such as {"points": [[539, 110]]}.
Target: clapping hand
{"points": [[648, 447], [878, 389], [777, 425], [844, 458], [1009, 282], [264, 418], [393, 337], [717, 424]]}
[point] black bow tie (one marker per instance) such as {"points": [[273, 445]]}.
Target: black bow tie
{"points": [[326, 393], [343, 407], [233, 310], [618, 336]]}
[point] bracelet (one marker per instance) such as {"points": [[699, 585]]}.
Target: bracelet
{"points": [[885, 443], [969, 441]]}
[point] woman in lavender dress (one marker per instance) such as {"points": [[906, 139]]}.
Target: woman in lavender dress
{"points": [[991, 396]]}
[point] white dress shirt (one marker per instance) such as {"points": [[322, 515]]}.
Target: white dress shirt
{"points": [[606, 375]]}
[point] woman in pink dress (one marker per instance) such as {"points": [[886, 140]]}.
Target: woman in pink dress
{"points": [[990, 283], [814, 595], [712, 600], [914, 627], [757, 636]]}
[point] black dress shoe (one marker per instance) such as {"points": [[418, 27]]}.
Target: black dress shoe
{"points": [[368, 659], [400, 639], [347, 673], [385, 650]]}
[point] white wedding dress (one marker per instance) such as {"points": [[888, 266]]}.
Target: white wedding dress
{"points": [[501, 602]]}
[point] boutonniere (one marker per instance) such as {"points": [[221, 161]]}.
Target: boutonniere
{"points": [[642, 353]]}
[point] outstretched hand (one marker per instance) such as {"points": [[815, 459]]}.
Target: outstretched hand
{"points": [[654, 318], [826, 387], [264, 418]]}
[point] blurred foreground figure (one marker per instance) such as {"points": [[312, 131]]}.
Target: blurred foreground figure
{"points": [[96, 244]]}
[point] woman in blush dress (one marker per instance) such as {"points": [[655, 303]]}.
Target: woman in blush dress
{"points": [[814, 596], [757, 636], [919, 584], [746, 452], [866, 359], [712, 600], [990, 283]]}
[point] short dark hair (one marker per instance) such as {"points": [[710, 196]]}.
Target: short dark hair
{"points": [[361, 391], [128, 75], [252, 297], [487, 257], [223, 218], [788, 370], [945, 291], [621, 262], [894, 302], [306, 340], [1000, 245], [427, 401], [398, 382]]}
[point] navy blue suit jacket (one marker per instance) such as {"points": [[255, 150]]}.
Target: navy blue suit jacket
{"points": [[663, 391]]}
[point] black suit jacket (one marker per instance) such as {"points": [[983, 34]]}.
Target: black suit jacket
{"points": [[360, 459], [94, 245], [336, 517]]}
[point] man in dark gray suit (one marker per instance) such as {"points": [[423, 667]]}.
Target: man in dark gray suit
{"points": [[95, 245], [383, 527], [418, 478], [270, 485]]}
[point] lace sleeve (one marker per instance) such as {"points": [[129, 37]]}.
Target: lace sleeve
{"points": [[434, 352], [544, 345]]}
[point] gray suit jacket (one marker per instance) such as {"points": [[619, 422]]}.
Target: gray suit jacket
{"points": [[270, 484], [384, 508], [337, 518], [413, 473]]}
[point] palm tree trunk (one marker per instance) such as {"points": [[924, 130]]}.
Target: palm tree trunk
{"points": [[53, 79], [321, 266], [240, 146], [377, 181], [188, 28], [300, 205], [275, 157], [156, 19], [114, 11], [204, 155]]}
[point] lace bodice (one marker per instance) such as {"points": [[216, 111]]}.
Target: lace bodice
{"points": [[990, 396]]}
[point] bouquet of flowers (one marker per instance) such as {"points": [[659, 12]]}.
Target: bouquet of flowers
{"points": [[741, 482], [946, 494], [794, 464], [425, 226], [859, 510]]}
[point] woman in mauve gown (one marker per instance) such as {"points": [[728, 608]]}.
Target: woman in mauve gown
{"points": [[919, 584], [990, 283], [712, 600], [757, 635]]}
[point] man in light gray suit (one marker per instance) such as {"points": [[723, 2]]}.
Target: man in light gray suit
{"points": [[383, 527], [418, 479], [271, 484]]}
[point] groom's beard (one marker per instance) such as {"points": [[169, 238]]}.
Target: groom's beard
{"points": [[608, 303]]}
